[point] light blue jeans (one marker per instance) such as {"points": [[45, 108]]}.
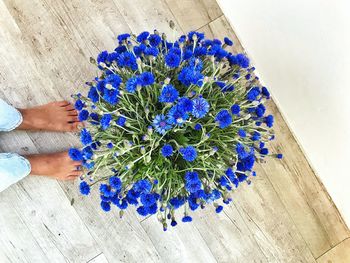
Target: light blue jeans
{"points": [[13, 167]]}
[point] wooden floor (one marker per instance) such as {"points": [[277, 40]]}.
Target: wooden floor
{"points": [[285, 215]]}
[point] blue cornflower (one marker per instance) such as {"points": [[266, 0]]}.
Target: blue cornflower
{"points": [[146, 78], [191, 176], [269, 121], [265, 92], [93, 94], [114, 80], [279, 156], [148, 199], [142, 186], [185, 104], [142, 37], [228, 41], [131, 84], [121, 121], [102, 57], [242, 133], [151, 51], [85, 137], [154, 40], [264, 151], [241, 151], [110, 145], [200, 107], [172, 60], [189, 153], [106, 190], [87, 153], [105, 206], [173, 223], [256, 136], [83, 115], [186, 219], [167, 150], [176, 115], [198, 127], [260, 110], [224, 119], [75, 154], [189, 75], [219, 209], [115, 182], [84, 188], [193, 186], [127, 59], [142, 210], [161, 124], [253, 94], [111, 96], [122, 37], [242, 60], [79, 105], [105, 121], [169, 94], [199, 35], [177, 202]]}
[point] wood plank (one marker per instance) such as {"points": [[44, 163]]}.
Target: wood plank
{"points": [[182, 243], [338, 254], [143, 15], [101, 258], [229, 238], [192, 15]]}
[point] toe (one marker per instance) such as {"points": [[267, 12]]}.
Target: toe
{"points": [[76, 173], [72, 113], [72, 119], [75, 126], [63, 103], [69, 107]]}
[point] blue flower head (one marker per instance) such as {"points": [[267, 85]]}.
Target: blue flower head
{"points": [[148, 199], [169, 94], [224, 119], [253, 94], [146, 78], [127, 59], [177, 116], [187, 219], [121, 121], [84, 188], [79, 105], [154, 40], [172, 60], [105, 206], [75, 154], [228, 41], [143, 36], [198, 127], [193, 186], [189, 153], [85, 137], [93, 94], [161, 124], [115, 182], [191, 176], [142, 186], [83, 115], [269, 121], [185, 104], [200, 107], [131, 84], [167, 150], [105, 121], [122, 37]]}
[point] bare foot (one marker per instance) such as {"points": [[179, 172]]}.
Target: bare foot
{"points": [[54, 116], [55, 165]]}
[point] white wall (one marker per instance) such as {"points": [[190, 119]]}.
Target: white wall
{"points": [[301, 49]]}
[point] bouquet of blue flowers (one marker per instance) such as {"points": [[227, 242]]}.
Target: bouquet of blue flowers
{"points": [[171, 124]]}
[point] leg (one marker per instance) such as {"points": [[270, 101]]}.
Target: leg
{"points": [[10, 118], [14, 167]]}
